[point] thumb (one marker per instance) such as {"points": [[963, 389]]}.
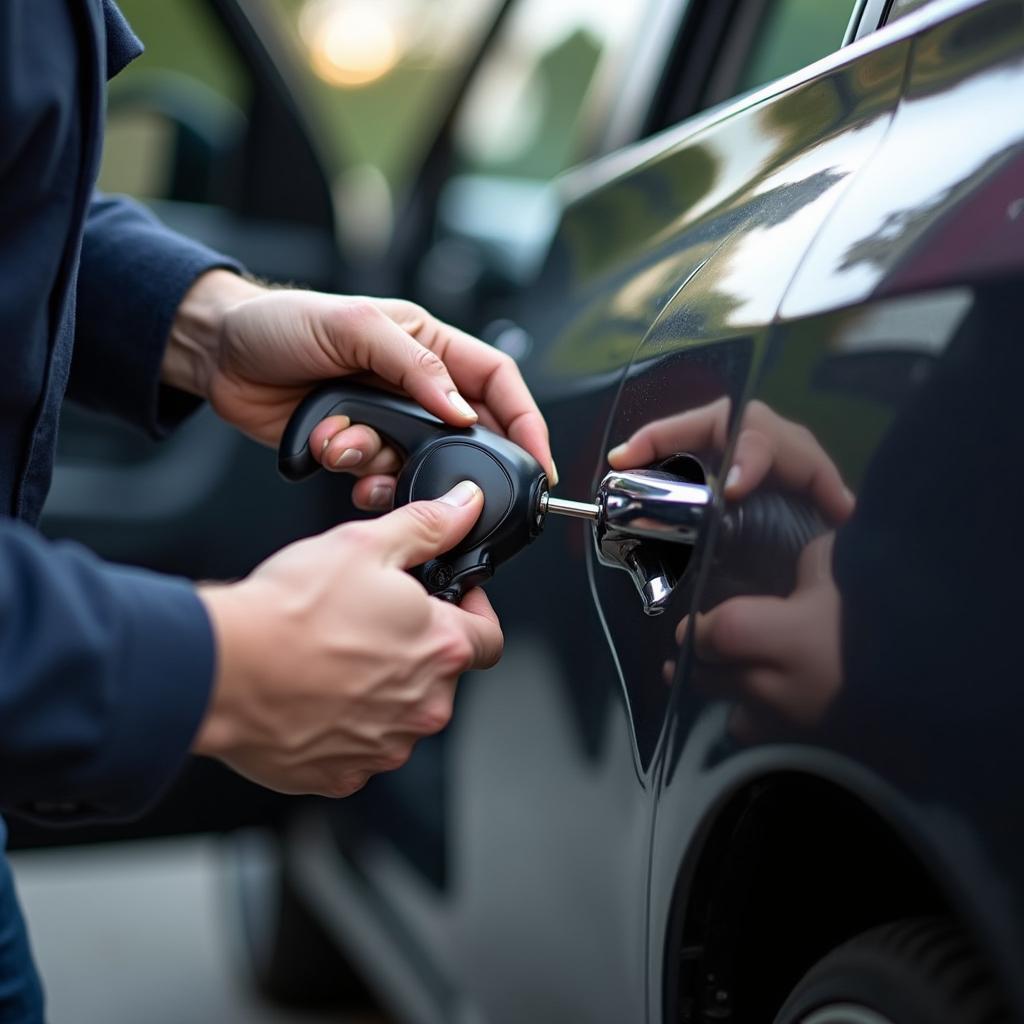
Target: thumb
{"points": [[422, 530]]}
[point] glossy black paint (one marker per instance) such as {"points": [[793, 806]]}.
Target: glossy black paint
{"points": [[628, 834]]}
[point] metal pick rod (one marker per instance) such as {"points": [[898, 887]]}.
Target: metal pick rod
{"points": [[576, 509]]}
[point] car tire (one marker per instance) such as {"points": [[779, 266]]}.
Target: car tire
{"points": [[914, 971], [287, 954]]}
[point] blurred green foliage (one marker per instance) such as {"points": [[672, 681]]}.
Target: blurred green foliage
{"points": [[184, 36]]}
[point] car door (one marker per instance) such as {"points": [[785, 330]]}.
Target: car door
{"points": [[798, 809], [713, 229], [527, 898]]}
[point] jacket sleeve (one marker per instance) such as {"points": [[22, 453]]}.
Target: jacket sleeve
{"points": [[134, 273], [106, 673]]}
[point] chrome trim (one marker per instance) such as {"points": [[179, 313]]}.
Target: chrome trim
{"points": [[653, 505], [649, 521]]}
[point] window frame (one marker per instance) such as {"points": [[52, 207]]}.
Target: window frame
{"points": [[712, 43], [868, 17]]}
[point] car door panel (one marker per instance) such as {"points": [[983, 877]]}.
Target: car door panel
{"points": [[703, 344], [641, 267], [912, 270]]}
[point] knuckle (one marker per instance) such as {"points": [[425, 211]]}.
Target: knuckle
{"points": [[494, 655], [427, 517], [757, 444], [358, 535], [411, 313], [726, 628], [427, 361], [456, 653], [340, 786], [759, 686], [507, 365], [434, 716], [806, 437], [393, 758], [358, 313]]}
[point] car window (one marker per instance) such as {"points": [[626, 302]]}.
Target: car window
{"points": [[172, 110], [541, 90], [771, 38], [792, 34], [901, 7]]}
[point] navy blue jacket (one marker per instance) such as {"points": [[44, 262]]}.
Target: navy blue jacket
{"points": [[104, 672]]}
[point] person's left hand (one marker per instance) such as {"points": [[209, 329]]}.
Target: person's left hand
{"points": [[255, 352]]}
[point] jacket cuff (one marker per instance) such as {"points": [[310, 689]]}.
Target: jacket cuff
{"points": [[168, 660], [129, 738]]}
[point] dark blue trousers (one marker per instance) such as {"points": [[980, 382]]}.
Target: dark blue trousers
{"points": [[21, 994]]}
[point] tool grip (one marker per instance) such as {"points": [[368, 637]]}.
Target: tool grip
{"points": [[400, 421]]}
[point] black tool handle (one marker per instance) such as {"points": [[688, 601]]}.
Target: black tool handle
{"points": [[436, 458], [401, 422]]}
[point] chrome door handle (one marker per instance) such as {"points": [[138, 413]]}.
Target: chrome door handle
{"points": [[653, 504], [646, 522], [650, 521]]}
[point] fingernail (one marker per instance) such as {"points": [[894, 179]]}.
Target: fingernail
{"points": [[460, 405], [349, 457], [732, 478], [618, 451], [850, 497], [554, 474], [461, 494], [380, 497], [327, 441]]}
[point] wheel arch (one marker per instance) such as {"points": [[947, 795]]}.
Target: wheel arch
{"points": [[755, 904]]}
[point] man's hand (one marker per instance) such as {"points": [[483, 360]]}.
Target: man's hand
{"points": [[333, 661], [254, 352]]}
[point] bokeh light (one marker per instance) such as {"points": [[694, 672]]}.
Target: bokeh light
{"points": [[351, 42]]}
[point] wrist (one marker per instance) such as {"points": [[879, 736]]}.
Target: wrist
{"points": [[194, 342], [226, 607]]}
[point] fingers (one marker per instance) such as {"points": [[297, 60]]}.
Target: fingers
{"points": [[751, 630], [703, 428], [417, 532], [484, 375], [792, 455], [477, 621], [374, 493], [366, 338], [355, 449]]}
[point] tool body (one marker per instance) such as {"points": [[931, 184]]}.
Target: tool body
{"points": [[436, 457], [646, 521]]}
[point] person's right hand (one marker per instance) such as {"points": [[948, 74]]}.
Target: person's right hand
{"points": [[333, 661]]}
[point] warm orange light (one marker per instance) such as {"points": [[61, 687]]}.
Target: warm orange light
{"points": [[350, 42]]}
